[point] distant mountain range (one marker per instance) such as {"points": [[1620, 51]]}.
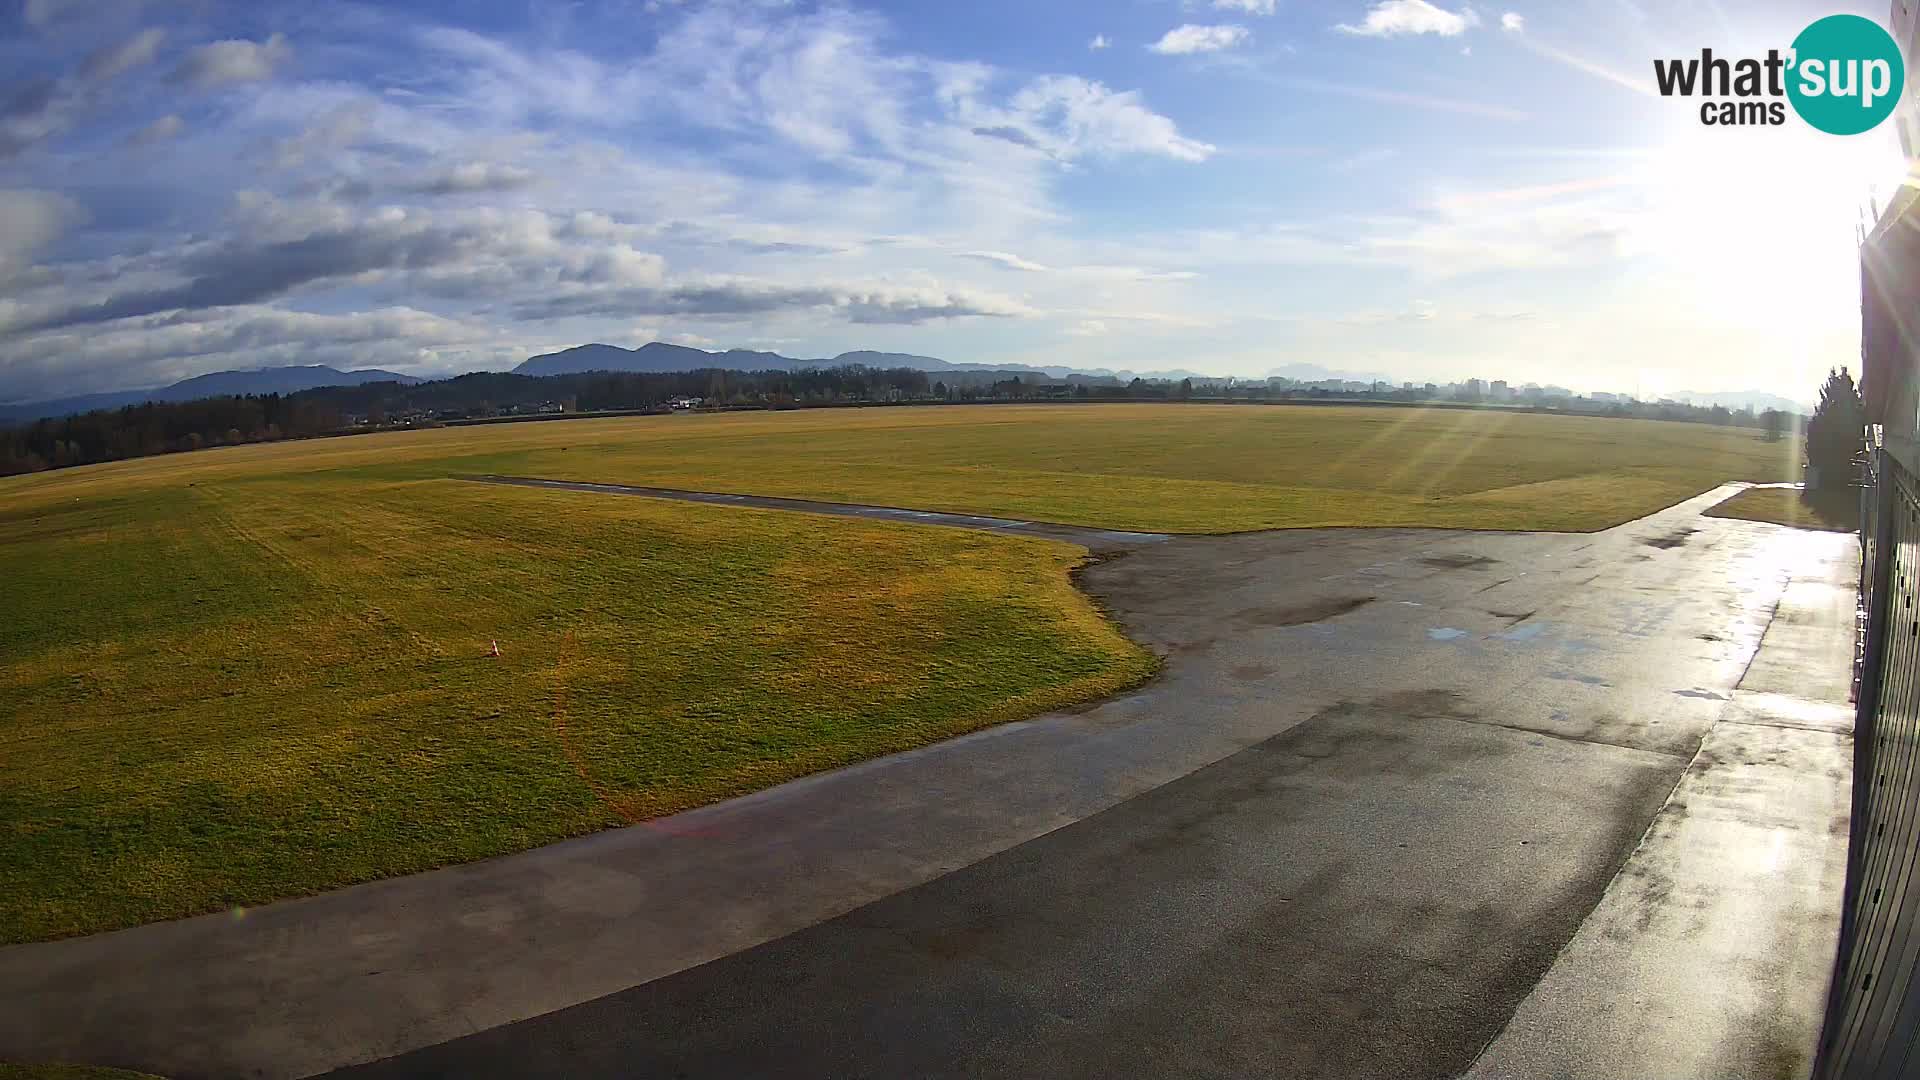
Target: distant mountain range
{"points": [[1742, 399], [279, 380], [1309, 373], [655, 356], [660, 356]]}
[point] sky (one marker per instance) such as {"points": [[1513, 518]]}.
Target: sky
{"points": [[1427, 191]]}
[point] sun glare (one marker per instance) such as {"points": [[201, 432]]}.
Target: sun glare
{"points": [[1764, 223]]}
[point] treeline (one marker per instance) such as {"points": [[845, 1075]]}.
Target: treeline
{"points": [[159, 428], [490, 393]]}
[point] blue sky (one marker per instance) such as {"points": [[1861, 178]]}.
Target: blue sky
{"points": [[1432, 191]]}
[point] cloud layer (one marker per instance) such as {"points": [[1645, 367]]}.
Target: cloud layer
{"points": [[752, 168], [1227, 184], [219, 63]]}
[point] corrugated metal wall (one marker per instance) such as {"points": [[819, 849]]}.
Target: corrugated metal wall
{"points": [[1873, 1013]]}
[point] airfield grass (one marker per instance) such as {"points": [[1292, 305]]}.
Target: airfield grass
{"points": [[1171, 468], [1830, 511], [265, 685], [1180, 468], [244, 674]]}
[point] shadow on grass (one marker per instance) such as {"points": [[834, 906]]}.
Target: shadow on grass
{"points": [[1830, 509]]}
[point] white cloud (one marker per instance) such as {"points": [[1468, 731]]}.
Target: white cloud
{"points": [[1100, 41], [29, 221], [39, 108], [532, 265], [43, 12], [167, 127], [593, 225], [870, 166], [1132, 273], [1392, 18], [731, 296], [1251, 7], [1069, 117], [1513, 22], [1085, 116], [1192, 38], [1010, 261], [329, 132], [475, 176], [111, 62], [817, 82], [276, 249], [165, 348], [235, 60]]}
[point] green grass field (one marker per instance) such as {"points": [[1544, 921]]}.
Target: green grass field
{"points": [[239, 675], [265, 685], [1192, 468], [1832, 512], [1180, 468]]}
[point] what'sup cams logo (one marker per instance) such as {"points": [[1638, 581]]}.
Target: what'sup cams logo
{"points": [[1843, 75]]}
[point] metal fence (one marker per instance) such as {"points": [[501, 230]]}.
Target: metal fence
{"points": [[1873, 1010]]}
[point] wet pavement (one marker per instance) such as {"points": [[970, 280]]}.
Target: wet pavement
{"points": [[1710, 954], [1383, 781]]}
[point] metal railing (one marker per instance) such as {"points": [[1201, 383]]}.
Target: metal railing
{"points": [[1873, 1007]]}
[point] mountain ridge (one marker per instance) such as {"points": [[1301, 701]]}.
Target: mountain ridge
{"points": [[236, 383], [659, 356]]}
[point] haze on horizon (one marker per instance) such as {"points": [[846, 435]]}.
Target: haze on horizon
{"points": [[1432, 190]]}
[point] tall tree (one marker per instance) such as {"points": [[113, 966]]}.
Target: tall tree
{"points": [[1836, 432]]}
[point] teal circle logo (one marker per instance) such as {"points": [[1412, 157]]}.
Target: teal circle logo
{"points": [[1846, 75]]}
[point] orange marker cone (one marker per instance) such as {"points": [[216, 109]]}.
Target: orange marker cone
{"points": [[496, 648]]}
